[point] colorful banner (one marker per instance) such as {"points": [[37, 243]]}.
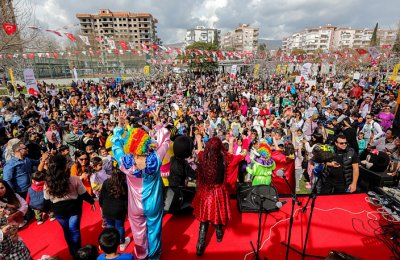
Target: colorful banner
{"points": [[278, 69], [12, 77], [396, 68], [30, 81], [233, 71], [284, 69], [75, 74], [146, 70], [256, 71], [305, 70]]}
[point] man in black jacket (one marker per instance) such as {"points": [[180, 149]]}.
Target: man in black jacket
{"points": [[343, 171]]}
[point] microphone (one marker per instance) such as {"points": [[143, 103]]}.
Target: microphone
{"points": [[280, 204], [280, 173]]}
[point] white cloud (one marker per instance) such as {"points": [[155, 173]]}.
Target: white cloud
{"points": [[276, 19]]}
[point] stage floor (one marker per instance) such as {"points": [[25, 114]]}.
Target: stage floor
{"points": [[340, 222]]}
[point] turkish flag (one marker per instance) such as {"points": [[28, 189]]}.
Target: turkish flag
{"points": [[70, 36], [123, 45], [9, 28], [361, 51]]}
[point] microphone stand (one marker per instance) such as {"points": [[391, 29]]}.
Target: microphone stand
{"points": [[312, 197], [294, 201], [260, 211]]}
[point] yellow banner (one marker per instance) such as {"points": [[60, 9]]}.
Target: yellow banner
{"points": [[278, 69], [12, 77], [395, 72], [256, 70], [146, 70], [124, 77], [284, 69]]}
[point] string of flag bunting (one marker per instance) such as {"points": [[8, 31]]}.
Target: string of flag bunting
{"points": [[189, 55]]}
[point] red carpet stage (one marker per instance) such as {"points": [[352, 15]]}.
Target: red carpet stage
{"points": [[340, 222]]}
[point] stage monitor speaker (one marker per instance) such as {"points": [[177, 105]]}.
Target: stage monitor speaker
{"points": [[249, 197]]}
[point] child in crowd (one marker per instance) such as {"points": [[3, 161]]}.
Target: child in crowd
{"points": [[298, 162], [113, 201], [35, 198], [98, 176], [107, 160], [362, 143], [109, 241], [88, 252]]}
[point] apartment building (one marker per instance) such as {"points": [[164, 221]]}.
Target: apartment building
{"points": [[134, 28], [328, 38], [203, 34], [243, 39]]}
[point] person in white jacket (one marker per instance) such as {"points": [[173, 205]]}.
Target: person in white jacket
{"points": [[373, 133]]}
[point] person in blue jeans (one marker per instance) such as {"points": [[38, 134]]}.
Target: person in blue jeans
{"points": [[109, 241], [113, 201], [66, 193]]}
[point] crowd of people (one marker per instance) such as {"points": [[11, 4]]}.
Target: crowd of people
{"points": [[112, 142]]}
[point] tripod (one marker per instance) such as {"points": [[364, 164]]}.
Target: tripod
{"points": [[312, 197], [294, 201]]}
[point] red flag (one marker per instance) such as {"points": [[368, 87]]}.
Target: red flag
{"points": [[123, 45], [55, 32], [361, 51], [155, 47], [31, 56], [99, 39], [70, 36], [9, 28], [55, 55]]}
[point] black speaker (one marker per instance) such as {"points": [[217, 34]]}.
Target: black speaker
{"points": [[369, 180], [249, 198]]}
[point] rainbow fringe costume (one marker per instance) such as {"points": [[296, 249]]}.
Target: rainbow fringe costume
{"points": [[145, 198]]}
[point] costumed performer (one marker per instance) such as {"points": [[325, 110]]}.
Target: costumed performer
{"points": [[211, 202], [141, 165], [178, 196], [263, 165], [283, 156]]}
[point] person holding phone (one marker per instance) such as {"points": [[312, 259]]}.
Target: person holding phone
{"points": [[343, 169]]}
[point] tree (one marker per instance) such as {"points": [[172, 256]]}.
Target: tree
{"points": [[216, 40], [297, 51], [396, 45], [374, 38], [201, 62], [262, 47], [18, 12]]}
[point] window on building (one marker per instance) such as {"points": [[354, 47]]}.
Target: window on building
{"points": [[135, 25]]}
